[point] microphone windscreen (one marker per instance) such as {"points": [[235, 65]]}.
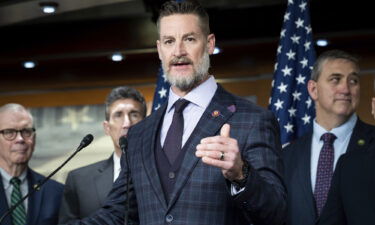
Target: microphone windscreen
{"points": [[86, 140], [123, 142]]}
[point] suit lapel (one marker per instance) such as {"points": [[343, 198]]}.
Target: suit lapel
{"points": [[148, 154], [361, 137], [220, 109], [304, 172], [103, 180], [35, 200], [4, 204]]}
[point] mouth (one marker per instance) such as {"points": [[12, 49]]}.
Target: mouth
{"points": [[180, 63]]}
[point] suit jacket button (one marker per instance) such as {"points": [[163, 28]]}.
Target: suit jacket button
{"points": [[169, 218], [171, 175]]}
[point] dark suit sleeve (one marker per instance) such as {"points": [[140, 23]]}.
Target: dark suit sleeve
{"points": [[264, 199], [333, 212], [69, 209], [112, 213]]}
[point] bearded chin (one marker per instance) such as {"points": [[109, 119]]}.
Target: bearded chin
{"points": [[187, 83]]}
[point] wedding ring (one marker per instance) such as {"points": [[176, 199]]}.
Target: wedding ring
{"points": [[222, 156]]}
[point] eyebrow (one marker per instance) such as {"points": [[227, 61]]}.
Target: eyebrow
{"points": [[183, 36]]}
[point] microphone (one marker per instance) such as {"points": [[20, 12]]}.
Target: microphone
{"points": [[123, 142], [36, 187]]}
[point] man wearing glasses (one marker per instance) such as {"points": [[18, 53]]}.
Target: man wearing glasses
{"points": [[17, 141]]}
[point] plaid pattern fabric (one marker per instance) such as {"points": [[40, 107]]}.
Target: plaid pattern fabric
{"points": [[201, 194], [19, 213]]}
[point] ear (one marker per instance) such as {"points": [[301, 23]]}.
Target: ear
{"points": [[211, 43], [106, 127], [158, 47], [312, 89]]}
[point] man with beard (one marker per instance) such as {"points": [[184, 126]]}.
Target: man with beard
{"points": [[206, 156]]}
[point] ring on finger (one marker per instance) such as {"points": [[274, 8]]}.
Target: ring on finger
{"points": [[222, 156]]}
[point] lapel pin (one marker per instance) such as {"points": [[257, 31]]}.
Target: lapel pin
{"points": [[232, 108], [361, 142], [215, 113]]}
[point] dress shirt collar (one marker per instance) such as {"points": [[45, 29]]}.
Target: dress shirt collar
{"points": [[206, 89], [341, 132], [6, 177]]}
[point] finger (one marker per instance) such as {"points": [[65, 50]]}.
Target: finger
{"points": [[225, 130], [216, 162], [218, 155]]}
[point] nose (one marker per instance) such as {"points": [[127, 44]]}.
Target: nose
{"points": [[345, 87], [179, 49], [127, 122], [19, 137]]}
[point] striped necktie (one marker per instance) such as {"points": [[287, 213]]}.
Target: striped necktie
{"points": [[19, 213]]}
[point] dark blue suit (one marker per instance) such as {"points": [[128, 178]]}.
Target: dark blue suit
{"points": [[301, 203], [201, 194], [43, 205], [351, 200]]}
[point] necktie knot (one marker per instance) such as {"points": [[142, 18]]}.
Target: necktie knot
{"points": [[15, 181], [328, 138], [180, 105]]}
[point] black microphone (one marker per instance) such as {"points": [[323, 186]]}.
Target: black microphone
{"points": [[36, 187], [123, 142]]}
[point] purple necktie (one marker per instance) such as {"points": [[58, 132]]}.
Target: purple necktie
{"points": [[173, 140], [325, 171]]}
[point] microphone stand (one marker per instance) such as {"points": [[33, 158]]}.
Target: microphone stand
{"points": [[37, 186], [124, 146]]}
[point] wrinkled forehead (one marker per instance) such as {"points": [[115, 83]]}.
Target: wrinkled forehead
{"points": [[15, 119]]}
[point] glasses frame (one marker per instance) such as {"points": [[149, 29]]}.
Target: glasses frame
{"points": [[15, 132]]}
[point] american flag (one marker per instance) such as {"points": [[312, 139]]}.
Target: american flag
{"points": [[161, 91], [290, 100]]}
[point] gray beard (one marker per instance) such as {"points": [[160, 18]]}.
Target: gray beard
{"points": [[187, 83]]}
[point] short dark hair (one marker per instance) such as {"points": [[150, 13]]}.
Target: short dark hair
{"points": [[124, 92], [331, 55], [185, 7]]}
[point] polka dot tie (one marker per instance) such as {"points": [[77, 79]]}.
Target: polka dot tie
{"points": [[324, 171]]}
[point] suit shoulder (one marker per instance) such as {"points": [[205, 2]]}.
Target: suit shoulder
{"points": [[297, 146], [89, 168], [50, 184]]}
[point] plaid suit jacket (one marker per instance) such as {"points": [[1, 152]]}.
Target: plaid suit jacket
{"points": [[201, 194]]}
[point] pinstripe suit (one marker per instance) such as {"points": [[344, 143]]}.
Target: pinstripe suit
{"points": [[201, 194]]}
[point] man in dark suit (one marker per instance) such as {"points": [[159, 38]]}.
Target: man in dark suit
{"points": [[86, 188], [351, 199], [17, 141], [207, 156], [335, 89]]}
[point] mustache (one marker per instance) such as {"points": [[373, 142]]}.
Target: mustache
{"points": [[182, 59]]}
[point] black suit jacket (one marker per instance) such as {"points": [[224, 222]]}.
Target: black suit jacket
{"points": [[351, 200], [86, 189], [296, 156], [201, 194], [43, 205]]}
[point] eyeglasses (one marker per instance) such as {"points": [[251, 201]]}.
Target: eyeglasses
{"points": [[11, 134]]}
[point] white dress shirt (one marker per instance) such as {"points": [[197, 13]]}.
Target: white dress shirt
{"points": [[8, 187], [340, 145], [116, 166], [200, 97]]}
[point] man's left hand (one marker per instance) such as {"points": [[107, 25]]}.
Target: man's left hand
{"points": [[222, 151]]}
